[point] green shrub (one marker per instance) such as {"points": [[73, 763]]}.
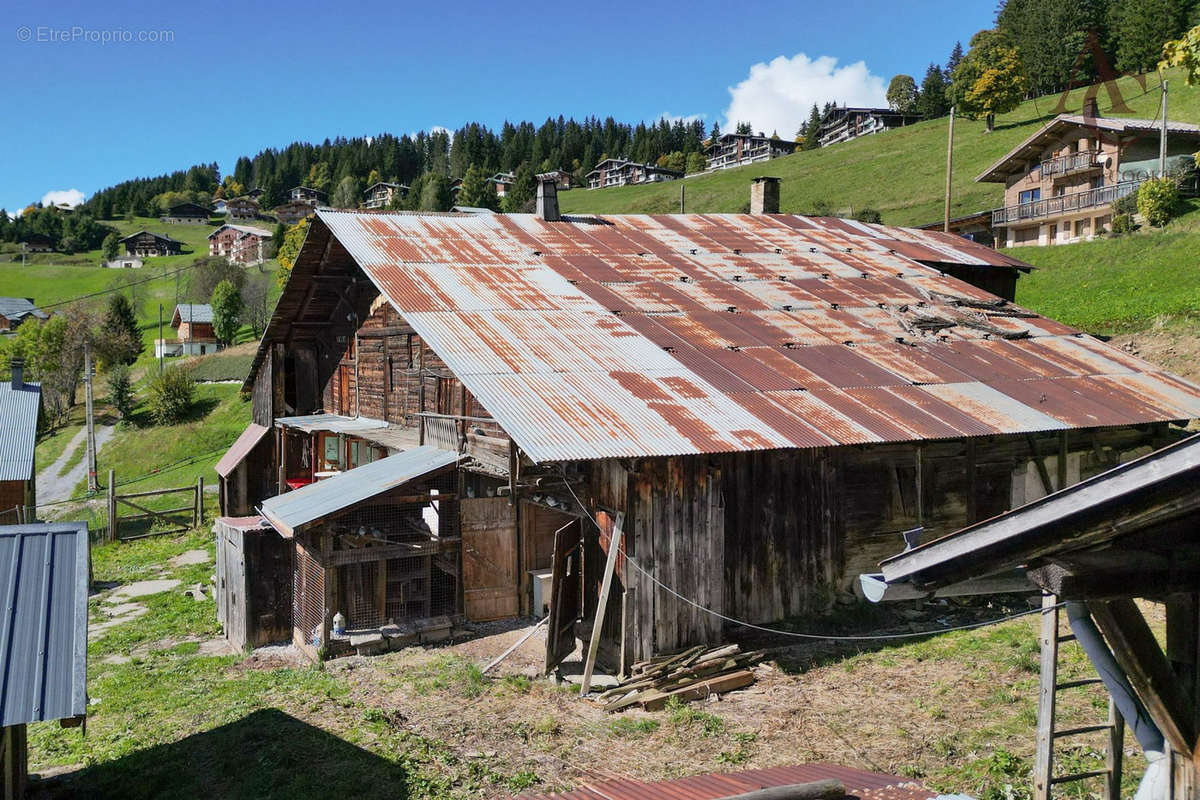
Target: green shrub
{"points": [[171, 396], [1122, 224], [868, 215], [120, 390], [1157, 199], [1125, 205]]}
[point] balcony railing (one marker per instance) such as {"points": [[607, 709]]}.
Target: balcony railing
{"points": [[1063, 203], [1070, 163]]}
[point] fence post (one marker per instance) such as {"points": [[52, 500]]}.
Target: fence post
{"points": [[112, 506], [199, 511]]}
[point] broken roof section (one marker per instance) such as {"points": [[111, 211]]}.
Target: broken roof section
{"points": [[662, 335], [289, 513]]}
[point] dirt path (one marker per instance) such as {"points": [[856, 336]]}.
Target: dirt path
{"points": [[53, 483]]}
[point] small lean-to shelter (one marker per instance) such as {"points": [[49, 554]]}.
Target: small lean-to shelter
{"points": [[254, 581], [43, 636], [380, 547], [1130, 532]]}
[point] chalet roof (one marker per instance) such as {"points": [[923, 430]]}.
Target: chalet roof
{"points": [[191, 312], [290, 512], [244, 229], [1031, 149], [43, 652], [182, 208], [159, 236], [1087, 515], [620, 163], [19, 410], [384, 183], [241, 448], [636, 335], [13, 308], [503, 177], [724, 137], [38, 237]]}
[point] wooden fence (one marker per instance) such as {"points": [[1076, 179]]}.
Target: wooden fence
{"points": [[174, 520]]}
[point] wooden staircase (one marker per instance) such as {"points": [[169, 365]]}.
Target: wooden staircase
{"points": [[1048, 734]]}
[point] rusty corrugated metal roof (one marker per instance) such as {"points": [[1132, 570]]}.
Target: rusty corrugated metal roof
{"points": [[654, 335], [858, 783]]}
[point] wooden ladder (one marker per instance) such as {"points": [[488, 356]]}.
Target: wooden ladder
{"points": [[1044, 779]]}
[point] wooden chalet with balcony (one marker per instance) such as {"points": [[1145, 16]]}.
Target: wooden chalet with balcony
{"points": [[1061, 182], [144, 244], [623, 172], [381, 193], [842, 123]]}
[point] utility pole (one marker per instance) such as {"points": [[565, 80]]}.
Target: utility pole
{"points": [[162, 346], [1162, 138], [681, 198], [949, 171], [91, 426]]}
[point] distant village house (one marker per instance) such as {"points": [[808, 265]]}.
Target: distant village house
{"points": [[15, 310], [37, 243], [241, 208], [187, 212], [307, 194], [293, 211], [193, 324], [1060, 183], [736, 149], [504, 182], [381, 194], [622, 172], [240, 244], [146, 244]]}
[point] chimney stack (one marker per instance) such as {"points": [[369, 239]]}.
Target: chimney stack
{"points": [[764, 195], [547, 197], [1091, 108], [17, 368]]}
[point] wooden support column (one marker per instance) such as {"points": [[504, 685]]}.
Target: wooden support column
{"points": [[1136, 650], [972, 483], [610, 565], [1062, 460], [1043, 767], [1043, 473]]}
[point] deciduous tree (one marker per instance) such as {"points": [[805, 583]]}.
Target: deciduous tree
{"points": [[991, 79], [227, 311], [902, 94]]}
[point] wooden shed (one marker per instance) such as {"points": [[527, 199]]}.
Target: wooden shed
{"points": [[254, 581]]}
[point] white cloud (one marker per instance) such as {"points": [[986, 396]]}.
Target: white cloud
{"points": [[779, 96], [684, 118], [71, 197]]}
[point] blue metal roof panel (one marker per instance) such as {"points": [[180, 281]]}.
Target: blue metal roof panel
{"points": [[43, 632], [289, 512], [18, 430]]}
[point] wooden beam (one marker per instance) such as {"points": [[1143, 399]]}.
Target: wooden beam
{"points": [[610, 566], [1043, 767], [1137, 651], [1043, 473], [1116, 573]]}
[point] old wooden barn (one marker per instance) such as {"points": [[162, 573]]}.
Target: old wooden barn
{"points": [[754, 405]]}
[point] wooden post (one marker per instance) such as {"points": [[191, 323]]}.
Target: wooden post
{"points": [[112, 506], [949, 172], [1043, 766], [610, 565], [198, 514], [1114, 757], [1062, 460]]}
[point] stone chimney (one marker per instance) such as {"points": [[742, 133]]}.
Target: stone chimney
{"points": [[547, 197], [1091, 108], [17, 368], [764, 196]]}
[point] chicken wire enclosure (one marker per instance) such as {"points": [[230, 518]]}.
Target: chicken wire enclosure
{"points": [[394, 562]]}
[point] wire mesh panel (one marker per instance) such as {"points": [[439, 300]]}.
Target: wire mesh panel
{"points": [[308, 597]]}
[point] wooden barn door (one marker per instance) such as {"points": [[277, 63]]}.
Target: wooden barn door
{"points": [[234, 597], [564, 595], [489, 552]]}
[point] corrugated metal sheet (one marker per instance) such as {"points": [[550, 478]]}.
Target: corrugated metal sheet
{"points": [[334, 423], [43, 632], [193, 312], [18, 430], [289, 512], [858, 783], [241, 448], [641, 335]]}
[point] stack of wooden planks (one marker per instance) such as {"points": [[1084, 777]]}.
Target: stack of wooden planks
{"points": [[693, 674]]}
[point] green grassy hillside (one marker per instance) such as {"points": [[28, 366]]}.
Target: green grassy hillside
{"points": [[900, 172]]}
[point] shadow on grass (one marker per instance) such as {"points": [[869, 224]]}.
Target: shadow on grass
{"points": [[266, 754]]}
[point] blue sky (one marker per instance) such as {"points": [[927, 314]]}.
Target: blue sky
{"points": [[235, 78]]}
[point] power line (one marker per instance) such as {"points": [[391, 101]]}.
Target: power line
{"points": [[796, 634]]}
